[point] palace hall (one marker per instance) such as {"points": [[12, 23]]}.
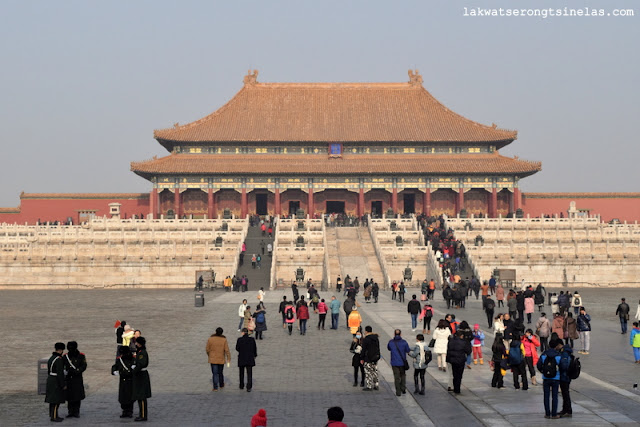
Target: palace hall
{"points": [[354, 148]]}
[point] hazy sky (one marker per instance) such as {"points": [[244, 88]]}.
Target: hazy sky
{"points": [[84, 83]]}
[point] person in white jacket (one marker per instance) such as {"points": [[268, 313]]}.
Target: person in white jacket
{"points": [[241, 311], [637, 316], [441, 335]]}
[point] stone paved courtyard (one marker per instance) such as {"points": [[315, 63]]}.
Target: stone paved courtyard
{"points": [[297, 377]]}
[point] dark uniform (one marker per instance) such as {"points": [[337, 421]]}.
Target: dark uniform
{"points": [[75, 363], [125, 389], [141, 382], [55, 383]]}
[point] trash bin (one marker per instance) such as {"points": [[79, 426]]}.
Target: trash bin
{"points": [[199, 299], [43, 371]]}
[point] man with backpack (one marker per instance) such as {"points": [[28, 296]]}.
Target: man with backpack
{"points": [[489, 307], [571, 373], [369, 358], [550, 366], [414, 308], [517, 362]]}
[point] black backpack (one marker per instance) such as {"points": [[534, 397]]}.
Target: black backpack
{"points": [[289, 314], [549, 367], [490, 304], [515, 354], [574, 367], [576, 301], [374, 353]]}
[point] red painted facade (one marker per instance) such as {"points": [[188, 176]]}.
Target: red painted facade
{"points": [[623, 206]]}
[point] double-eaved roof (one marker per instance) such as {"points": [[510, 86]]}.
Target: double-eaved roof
{"points": [[267, 114], [334, 112]]}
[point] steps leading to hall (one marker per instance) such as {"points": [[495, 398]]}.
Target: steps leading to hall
{"points": [[351, 252]]}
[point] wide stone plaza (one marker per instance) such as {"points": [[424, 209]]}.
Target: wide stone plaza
{"points": [[297, 377]]}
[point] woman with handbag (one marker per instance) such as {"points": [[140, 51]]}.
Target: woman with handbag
{"points": [[426, 315], [498, 361], [356, 350]]}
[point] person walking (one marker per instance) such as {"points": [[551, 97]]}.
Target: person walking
{"points": [[571, 328], [141, 381], [441, 336], [500, 295], [426, 315], [584, 330], [241, 309], [422, 356], [123, 367], [295, 292], [347, 306], [477, 343], [338, 284], [247, 353], [334, 306], [623, 313], [637, 316], [512, 305], [413, 308], [75, 363], [260, 319], [549, 366], [566, 354], [218, 352], [248, 322], [401, 291], [356, 350], [375, 291], [498, 360], [576, 303], [283, 305], [531, 344], [322, 313], [55, 391], [290, 315], [634, 341], [543, 330], [399, 348], [458, 349], [517, 362], [489, 307], [529, 307], [355, 320], [369, 358], [303, 315]]}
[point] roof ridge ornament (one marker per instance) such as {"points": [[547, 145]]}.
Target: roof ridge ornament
{"points": [[251, 78], [415, 79]]}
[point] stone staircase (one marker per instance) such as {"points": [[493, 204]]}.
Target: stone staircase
{"points": [[258, 277], [351, 252]]}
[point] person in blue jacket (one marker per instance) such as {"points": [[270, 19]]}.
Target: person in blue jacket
{"points": [[550, 384], [565, 359], [399, 349]]}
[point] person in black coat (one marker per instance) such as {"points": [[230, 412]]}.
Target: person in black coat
{"points": [[55, 382], [123, 367], [247, 353], [520, 305], [141, 387], [75, 363], [457, 351]]}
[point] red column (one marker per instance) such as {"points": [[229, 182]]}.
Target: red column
{"points": [[176, 202], [243, 203], [361, 203], [153, 202], [517, 199], [394, 200], [310, 203], [211, 209], [460, 205], [426, 202], [494, 203], [277, 201]]}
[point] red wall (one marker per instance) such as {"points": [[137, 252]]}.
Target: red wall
{"points": [[625, 207], [58, 208]]}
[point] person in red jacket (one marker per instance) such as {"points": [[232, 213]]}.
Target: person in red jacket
{"points": [[303, 316], [531, 344], [322, 312], [335, 415]]}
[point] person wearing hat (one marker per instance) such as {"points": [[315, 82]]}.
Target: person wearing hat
{"points": [[259, 419], [125, 389], [55, 382], [355, 320], [75, 363], [141, 383]]}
